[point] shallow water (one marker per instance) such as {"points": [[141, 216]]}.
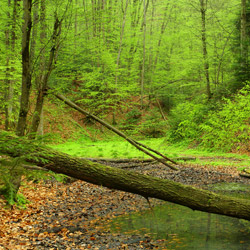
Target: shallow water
{"points": [[183, 228]]}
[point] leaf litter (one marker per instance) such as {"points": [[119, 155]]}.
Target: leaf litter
{"points": [[75, 215]]}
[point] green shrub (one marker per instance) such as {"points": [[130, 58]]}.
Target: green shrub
{"points": [[184, 121], [132, 119], [228, 128], [153, 126]]}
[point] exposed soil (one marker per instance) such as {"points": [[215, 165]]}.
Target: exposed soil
{"points": [[73, 216]]}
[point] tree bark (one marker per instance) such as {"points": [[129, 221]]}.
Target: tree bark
{"points": [[10, 82], [127, 181], [144, 24], [203, 4], [26, 68], [120, 45], [7, 98], [44, 77], [243, 34]]}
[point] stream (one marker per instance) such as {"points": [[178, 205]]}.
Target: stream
{"points": [[182, 228]]}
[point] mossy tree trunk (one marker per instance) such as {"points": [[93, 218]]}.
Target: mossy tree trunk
{"points": [[128, 181], [26, 68]]}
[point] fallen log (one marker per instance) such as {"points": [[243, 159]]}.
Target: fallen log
{"points": [[135, 160], [127, 181], [244, 175]]}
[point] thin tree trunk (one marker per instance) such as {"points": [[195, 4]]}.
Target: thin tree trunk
{"points": [[127, 181], [161, 111], [10, 44], [163, 28], [7, 73], [219, 70], [42, 91], [203, 6], [40, 131], [86, 20], [34, 33], [120, 43], [40, 76], [243, 34], [94, 16], [135, 17], [26, 69], [151, 53], [153, 63], [118, 61], [143, 52]]}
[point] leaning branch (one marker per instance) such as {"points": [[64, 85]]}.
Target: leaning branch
{"points": [[145, 149]]}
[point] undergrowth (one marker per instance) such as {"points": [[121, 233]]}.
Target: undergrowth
{"points": [[221, 127]]}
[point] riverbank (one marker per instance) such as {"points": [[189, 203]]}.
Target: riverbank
{"points": [[75, 215]]}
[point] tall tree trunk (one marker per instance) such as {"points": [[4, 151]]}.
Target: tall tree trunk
{"points": [[26, 69], [127, 181], [154, 61], [118, 61], [94, 17], [135, 20], [7, 73], [163, 28], [34, 37], [42, 68], [86, 19], [203, 5], [10, 46], [143, 52], [243, 35], [43, 84], [151, 34], [120, 43]]}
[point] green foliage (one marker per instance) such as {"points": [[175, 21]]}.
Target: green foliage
{"points": [[228, 128], [133, 116], [132, 119], [153, 126], [185, 120], [223, 128], [99, 63], [240, 49]]}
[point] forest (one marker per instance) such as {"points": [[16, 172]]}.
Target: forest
{"points": [[155, 76]]}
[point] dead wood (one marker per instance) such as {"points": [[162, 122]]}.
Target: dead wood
{"points": [[145, 149], [131, 160], [115, 178]]}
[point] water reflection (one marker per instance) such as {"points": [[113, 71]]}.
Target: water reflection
{"points": [[183, 228]]}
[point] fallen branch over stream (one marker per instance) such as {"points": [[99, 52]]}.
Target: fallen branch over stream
{"points": [[144, 148], [115, 178]]}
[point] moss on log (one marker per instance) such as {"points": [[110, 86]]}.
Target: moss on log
{"points": [[120, 179]]}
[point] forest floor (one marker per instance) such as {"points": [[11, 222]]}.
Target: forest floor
{"points": [[76, 215]]}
